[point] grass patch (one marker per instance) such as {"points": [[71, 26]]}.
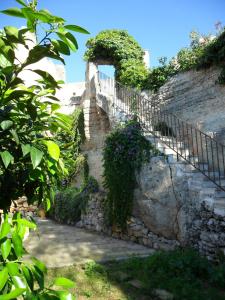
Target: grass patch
{"points": [[183, 273]]}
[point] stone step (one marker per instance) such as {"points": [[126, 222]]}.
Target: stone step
{"points": [[202, 166], [213, 175], [207, 192], [220, 194], [219, 207], [208, 183]]}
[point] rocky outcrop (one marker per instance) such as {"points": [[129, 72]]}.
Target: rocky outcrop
{"points": [[161, 195], [197, 98]]}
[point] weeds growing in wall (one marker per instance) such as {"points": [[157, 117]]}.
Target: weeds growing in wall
{"points": [[204, 52], [126, 149]]}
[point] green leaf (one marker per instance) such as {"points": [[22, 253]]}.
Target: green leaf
{"points": [[8, 52], [72, 39], [76, 29], [39, 264], [21, 2], [43, 16], [12, 31], [3, 278], [12, 295], [15, 136], [47, 77], [13, 268], [36, 54], [7, 158], [48, 203], [14, 12], [26, 223], [66, 38], [63, 295], [5, 229], [36, 156], [55, 106], [18, 282], [65, 118], [28, 14], [39, 276], [53, 150], [32, 111], [6, 124], [17, 244], [28, 276], [61, 47], [25, 149], [6, 248], [66, 283]]}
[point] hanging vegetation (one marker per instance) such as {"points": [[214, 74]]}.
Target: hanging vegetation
{"points": [[118, 48], [126, 149]]}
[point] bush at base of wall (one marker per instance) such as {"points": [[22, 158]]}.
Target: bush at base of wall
{"points": [[71, 202]]}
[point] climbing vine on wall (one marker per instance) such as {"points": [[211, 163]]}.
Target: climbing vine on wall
{"points": [[120, 49], [70, 143], [126, 149]]}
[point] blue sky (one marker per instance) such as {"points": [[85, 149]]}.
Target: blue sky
{"points": [[161, 26]]}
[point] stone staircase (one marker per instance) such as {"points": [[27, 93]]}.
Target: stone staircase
{"points": [[202, 178], [208, 191]]}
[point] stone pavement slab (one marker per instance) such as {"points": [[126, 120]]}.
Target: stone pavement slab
{"points": [[60, 245]]}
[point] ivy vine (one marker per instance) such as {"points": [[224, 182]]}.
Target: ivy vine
{"points": [[120, 49], [126, 149]]}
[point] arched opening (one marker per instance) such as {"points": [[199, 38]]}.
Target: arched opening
{"points": [[109, 70]]}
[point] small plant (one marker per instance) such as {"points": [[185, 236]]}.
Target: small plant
{"points": [[126, 149], [214, 54]]}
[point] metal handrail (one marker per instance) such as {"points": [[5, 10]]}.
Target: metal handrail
{"points": [[199, 149]]}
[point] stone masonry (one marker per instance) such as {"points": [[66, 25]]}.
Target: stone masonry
{"points": [[174, 204]]}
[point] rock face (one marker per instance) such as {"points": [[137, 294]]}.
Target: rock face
{"points": [[161, 194], [196, 98], [173, 204]]}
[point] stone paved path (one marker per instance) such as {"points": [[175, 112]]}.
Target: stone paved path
{"points": [[61, 245]]}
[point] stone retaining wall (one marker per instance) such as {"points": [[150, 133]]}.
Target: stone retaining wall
{"points": [[21, 205], [168, 211], [196, 98]]}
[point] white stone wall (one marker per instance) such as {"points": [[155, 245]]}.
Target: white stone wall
{"points": [[195, 97]]}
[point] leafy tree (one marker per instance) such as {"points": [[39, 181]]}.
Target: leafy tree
{"points": [[30, 160]]}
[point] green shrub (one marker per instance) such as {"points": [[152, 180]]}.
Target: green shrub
{"points": [[214, 54], [158, 77], [121, 50], [71, 202]]}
